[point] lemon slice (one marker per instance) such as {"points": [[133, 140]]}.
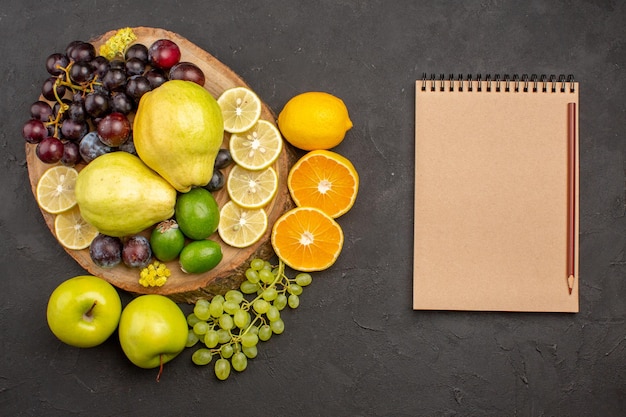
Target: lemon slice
{"points": [[55, 189], [258, 147], [72, 231], [240, 227], [241, 109], [252, 189]]}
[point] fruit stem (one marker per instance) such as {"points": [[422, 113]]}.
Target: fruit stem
{"points": [[281, 272], [279, 276], [166, 225], [251, 325], [89, 313], [158, 378], [63, 107], [87, 86]]}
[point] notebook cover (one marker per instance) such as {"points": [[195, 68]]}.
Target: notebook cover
{"points": [[491, 200]]}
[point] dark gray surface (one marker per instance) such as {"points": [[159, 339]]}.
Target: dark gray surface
{"points": [[354, 347]]}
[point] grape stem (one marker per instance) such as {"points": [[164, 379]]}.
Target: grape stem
{"points": [[279, 276], [85, 87], [236, 339], [63, 107]]}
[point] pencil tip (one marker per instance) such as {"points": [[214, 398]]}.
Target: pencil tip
{"points": [[570, 283]]}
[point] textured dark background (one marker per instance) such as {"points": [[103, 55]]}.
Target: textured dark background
{"points": [[354, 347]]}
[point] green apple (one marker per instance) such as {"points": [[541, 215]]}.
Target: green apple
{"points": [[84, 311], [153, 331]]}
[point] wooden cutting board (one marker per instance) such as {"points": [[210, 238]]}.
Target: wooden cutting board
{"points": [[228, 274]]}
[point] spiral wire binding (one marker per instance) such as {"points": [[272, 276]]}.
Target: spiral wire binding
{"points": [[516, 83]]}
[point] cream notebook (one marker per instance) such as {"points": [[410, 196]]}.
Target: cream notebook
{"points": [[496, 194]]}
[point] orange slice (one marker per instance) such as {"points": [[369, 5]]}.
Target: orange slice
{"points": [[307, 239], [324, 180]]}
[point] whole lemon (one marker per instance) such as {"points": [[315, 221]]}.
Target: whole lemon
{"points": [[314, 120], [178, 130]]}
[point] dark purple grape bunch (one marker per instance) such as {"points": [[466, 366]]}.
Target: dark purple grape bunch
{"points": [[88, 100], [54, 125]]}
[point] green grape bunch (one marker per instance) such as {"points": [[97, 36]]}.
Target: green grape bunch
{"points": [[229, 327]]}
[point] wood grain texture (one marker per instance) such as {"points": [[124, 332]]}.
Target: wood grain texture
{"points": [[228, 274]]}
